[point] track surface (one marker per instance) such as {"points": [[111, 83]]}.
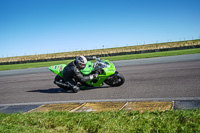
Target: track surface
{"points": [[151, 80]]}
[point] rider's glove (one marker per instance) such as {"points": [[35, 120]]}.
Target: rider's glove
{"points": [[95, 75], [94, 58]]}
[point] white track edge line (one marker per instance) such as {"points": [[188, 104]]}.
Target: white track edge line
{"points": [[105, 100]]}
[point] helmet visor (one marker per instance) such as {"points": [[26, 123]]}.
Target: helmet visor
{"points": [[82, 66]]}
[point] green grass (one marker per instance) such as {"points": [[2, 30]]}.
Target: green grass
{"points": [[32, 65], [186, 121], [155, 54], [102, 51], [111, 58]]}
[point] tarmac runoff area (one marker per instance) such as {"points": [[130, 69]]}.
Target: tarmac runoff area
{"points": [[140, 106]]}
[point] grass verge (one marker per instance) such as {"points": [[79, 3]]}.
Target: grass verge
{"points": [[111, 58], [157, 46], [102, 122]]}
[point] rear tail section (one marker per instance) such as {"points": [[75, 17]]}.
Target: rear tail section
{"points": [[57, 69]]}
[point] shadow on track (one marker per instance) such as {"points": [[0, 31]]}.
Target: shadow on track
{"points": [[60, 90], [51, 90]]}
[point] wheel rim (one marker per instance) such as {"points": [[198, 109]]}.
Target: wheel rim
{"points": [[116, 81]]}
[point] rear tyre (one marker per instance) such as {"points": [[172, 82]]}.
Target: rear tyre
{"points": [[60, 79], [115, 80]]}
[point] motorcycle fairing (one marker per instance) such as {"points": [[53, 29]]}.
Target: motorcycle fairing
{"points": [[88, 68], [58, 69]]}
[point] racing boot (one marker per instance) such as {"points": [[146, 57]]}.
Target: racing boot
{"points": [[71, 85], [75, 89]]}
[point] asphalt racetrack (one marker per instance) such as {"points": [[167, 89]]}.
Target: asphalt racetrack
{"points": [[175, 77]]}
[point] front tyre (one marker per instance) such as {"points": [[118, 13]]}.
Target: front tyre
{"points": [[115, 80]]}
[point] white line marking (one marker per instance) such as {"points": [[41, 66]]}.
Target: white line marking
{"points": [[106, 100], [124, 106]]}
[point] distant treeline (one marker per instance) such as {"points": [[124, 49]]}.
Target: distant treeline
{"points": [[190, 44]]}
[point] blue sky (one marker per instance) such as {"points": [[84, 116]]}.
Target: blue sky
{"points": [[29, 27]]}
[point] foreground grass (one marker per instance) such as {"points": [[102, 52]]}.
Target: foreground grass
{"points": [[187, 121], [111, 58]]}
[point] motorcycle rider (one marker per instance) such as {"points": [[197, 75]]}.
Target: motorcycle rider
{"points": [[72, 72]]}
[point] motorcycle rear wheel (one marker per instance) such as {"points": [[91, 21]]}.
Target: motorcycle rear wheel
{"points": [[60, 79]]}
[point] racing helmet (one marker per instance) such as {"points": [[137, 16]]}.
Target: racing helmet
{"points": [[81, 62]]}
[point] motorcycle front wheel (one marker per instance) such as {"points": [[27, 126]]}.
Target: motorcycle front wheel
{"points": [[115, 80]]}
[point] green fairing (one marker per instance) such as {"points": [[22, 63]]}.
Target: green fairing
{"points": [[108, 71], [58, 69], [88, 68]]}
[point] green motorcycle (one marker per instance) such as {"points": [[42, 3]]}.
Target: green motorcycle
{"points": [[106, 74]]}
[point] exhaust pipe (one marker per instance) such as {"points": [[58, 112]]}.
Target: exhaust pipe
{"points": [[60, 83]]}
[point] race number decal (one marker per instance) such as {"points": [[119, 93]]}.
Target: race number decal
{"points": [[61, 67]]}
